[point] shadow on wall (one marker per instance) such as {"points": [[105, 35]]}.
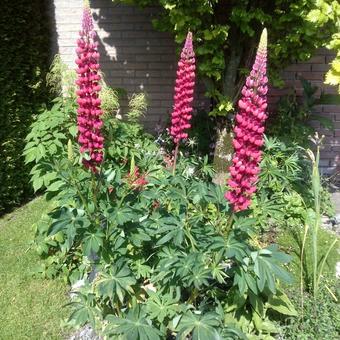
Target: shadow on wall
{"points": [[135, 57], [51, 15]]}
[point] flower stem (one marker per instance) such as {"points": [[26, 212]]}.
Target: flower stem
{"points": [[316, 192], [229, 224], [175, 159], [301, 264]]}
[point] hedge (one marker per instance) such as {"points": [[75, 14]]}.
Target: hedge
{"points": [[24, 37]]}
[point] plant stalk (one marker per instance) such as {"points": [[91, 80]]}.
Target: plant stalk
{"points": [[316, 191], [301, 263], [229, 224], [175, 158]]}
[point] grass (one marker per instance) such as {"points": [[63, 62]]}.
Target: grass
{"points": [[320, 318], [291, 240], [30, 308]]}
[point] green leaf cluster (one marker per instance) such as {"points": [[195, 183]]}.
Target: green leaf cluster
{"points": [[47, 142], [324, 13]]}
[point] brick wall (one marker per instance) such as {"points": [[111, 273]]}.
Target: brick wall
{"points": [[314, 71], [139, 59], [133, 55]]}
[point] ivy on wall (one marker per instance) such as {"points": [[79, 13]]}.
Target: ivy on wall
{"points": [[24, 60]]}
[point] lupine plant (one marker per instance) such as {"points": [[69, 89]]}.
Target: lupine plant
{"points": [[248, 132], [154, 250], [184, 95]]}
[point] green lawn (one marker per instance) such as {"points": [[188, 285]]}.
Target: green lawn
{"points": [[30, 308]]}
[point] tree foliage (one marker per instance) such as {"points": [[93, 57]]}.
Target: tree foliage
{"points": [[325, 12], [226, 34]]}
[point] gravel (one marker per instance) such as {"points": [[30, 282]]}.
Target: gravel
{"points": [[85, 333]]}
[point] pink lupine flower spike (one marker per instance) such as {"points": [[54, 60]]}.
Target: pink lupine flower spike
{"points": [[248, 132], [89, 111], [184, 95]]}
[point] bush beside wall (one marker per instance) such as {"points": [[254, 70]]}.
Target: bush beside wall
{"points": [[24, 55]]}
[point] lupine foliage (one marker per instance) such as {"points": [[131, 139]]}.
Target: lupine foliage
{"points": [[56, 127], [163, 253]]}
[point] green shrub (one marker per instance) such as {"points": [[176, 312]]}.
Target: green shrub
{"points": [[158, 253], [318, 319], [47, 140], [284, 188], [226, 35], [24, 60]]}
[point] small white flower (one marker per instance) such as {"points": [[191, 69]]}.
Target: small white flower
{"points": [[189, 171]]}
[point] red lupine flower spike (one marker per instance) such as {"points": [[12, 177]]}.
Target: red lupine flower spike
{"points": [[248, 132], [89, 111]]}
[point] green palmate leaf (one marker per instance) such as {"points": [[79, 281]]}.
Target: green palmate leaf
{"points": [[257, 303], [200, 327], [267, 268], [262, 269], [235, 249], [55, 186], [218, 272], [199, 276], [84, 310], [71, 233], [251, 282], [92, 242], [230, 332], [116, 283], [160, 307], [235, 301], [141, 269], [81, 314], [167, 237], [61, 219], [240, 280], [264, 325], [123, 215], [281, 303], [135, 326]]}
